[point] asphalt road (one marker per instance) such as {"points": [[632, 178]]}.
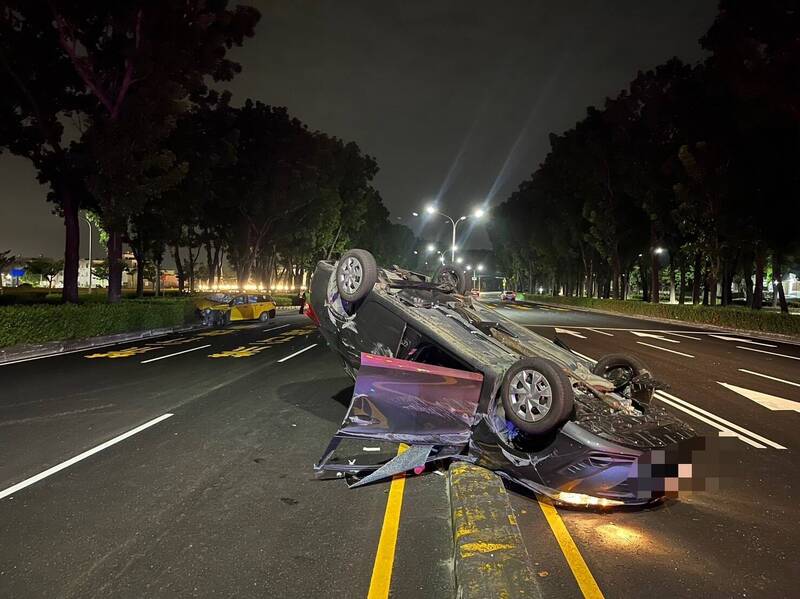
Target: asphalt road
{"points": [[199, 481], [740, 541], [217, 500]]}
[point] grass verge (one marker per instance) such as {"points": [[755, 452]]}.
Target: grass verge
{"points": [[40, 323]]}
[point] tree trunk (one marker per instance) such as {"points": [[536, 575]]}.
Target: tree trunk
{"points": [[777, 271], [643, 280], [176, 254], [72, 247], [758, 286], [114, 246], [140, 278], [747, 271], [655, 283], [682, 290], [697, 278], [157, 282], [671, 279]]}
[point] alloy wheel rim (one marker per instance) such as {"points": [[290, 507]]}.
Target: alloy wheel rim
{"points": [[351, 275], [531, 395]]}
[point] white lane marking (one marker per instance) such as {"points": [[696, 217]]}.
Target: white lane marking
{"points": [[568, 332], [283, 326], [685, 336], [728, 423], [659, 337], [724, 432], [601, 332], [371, 448], [766, 376], [769, 353], [592, 360], [178, 353], [740, 340], [82, 456], [772, 402], [297, 353], [672, 351]]}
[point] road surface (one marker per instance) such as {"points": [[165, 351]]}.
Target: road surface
{"points": [[740, 541], [217, 500], [182, 467]]}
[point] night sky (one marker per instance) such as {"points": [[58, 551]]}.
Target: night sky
{"points": [[455, 99]]}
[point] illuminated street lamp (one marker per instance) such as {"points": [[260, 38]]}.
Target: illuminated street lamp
{"points": [[431, 248], [432, 209]]}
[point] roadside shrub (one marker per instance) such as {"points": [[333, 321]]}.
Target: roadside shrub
{"points": [[284, 300], [743, 319], [39, 323]]}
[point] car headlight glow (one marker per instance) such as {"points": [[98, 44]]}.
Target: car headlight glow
{"points": [[580, 499]]}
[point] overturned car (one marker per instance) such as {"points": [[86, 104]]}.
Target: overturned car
{"points": [[450, 378]]}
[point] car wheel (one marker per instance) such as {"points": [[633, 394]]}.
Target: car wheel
{"points": [[273, 313], [264, 316], [452, 276], [537, 395], [620, 369], [356, 275]]}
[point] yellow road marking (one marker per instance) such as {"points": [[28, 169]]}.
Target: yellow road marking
{"points": [[580, 570], [384, 557], [122, 353], [215, 333], [240, 352]]}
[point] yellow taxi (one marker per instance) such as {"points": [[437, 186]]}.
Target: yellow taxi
{"points": [[223, 309]]}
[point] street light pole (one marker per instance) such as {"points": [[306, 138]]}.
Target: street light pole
{"points": [[88, 222], [430, 209]]}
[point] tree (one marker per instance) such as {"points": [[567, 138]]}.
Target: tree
{"points": [[6, 260], [41, 92], [140, 63], [46, 268]]}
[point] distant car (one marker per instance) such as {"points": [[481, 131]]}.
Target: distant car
{"points": [[508, 296], [224, 309]]}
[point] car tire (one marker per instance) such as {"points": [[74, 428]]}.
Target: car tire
{"points": [[264, 316], [619, 367], [536, 395], [273, 313], [448, 274], [356, 275]]}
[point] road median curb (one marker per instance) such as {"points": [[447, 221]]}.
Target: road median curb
{"points": [[490, 559]]}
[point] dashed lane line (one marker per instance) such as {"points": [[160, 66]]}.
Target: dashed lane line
{"points": [[186, 351], [283, 326], [685, 336], [592, 360], [297, 353], [82, 456], [740, 340], [600, 332], [672, 351], [769, 353], [766, 376]]}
